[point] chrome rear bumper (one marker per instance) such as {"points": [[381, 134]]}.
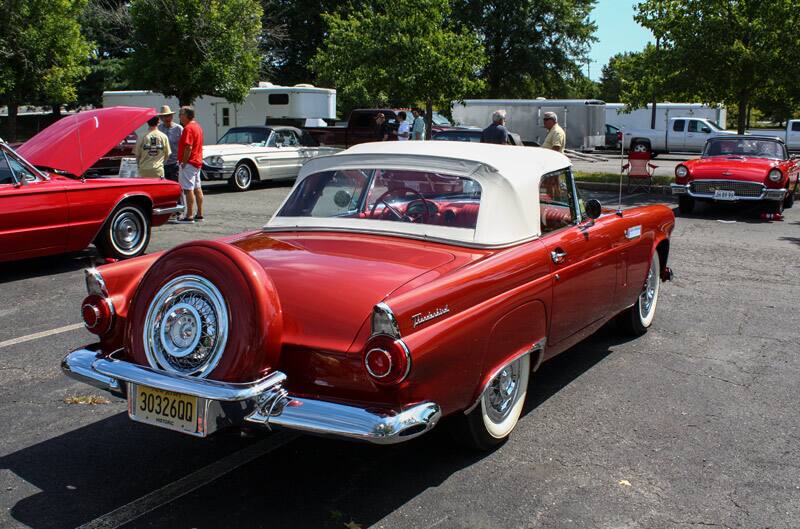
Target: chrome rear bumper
{"points": [[263, 402]]}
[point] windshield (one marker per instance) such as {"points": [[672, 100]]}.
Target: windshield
{"points": [[388, 195], [464, 135], [440, 120], [713, 126], [246, 137], [750, 147], [12, 166]]}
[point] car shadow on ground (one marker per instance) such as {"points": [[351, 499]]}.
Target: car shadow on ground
{"points": [[49, 265], [747, 213], [312, 482]]}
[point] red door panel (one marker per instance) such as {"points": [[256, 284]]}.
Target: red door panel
{"points": [[34, 219], [584, 280]]}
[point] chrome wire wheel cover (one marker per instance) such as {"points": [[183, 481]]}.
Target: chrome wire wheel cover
{"points": [[501, 393], [649, 296], [186, 327], [243, 176], [128, 230]]}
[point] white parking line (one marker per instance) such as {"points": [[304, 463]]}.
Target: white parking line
{"points": [[187, 484], [36, 336]]}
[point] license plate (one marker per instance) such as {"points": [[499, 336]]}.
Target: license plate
{"points": [[167, 409], [724, 194]]}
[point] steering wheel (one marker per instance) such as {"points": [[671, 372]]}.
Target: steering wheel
{"points": [[384, 198]]}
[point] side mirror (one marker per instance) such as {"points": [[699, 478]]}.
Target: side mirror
{"points": [[593, 208], [706, 130]]}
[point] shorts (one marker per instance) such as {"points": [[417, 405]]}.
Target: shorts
{"points": [[189, 177], [171, 171]]}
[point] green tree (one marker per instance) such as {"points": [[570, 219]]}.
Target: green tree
{"points": [[533, 46], [108, 24], [42, 54], [611, 78], [725, 49], [191, 48], [400, 52], [297, 30]]}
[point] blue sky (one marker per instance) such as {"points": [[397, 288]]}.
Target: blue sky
{"points": [[616, 32]]}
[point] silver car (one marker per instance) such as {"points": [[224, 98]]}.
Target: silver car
{"points": [[247, 154]]}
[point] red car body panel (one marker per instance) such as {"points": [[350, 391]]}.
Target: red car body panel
{"points": [[74, 143], [59, 214], [499, 302], [746, 169]]}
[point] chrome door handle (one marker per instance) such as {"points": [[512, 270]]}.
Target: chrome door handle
{"points": [[558, 256]]}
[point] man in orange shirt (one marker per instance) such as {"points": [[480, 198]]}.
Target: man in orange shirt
{"points": [[190, 161]]}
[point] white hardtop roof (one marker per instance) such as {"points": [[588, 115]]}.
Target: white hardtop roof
{"points": [[509, 177]]}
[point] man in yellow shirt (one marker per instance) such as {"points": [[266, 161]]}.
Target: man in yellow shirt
{"points": [[556, 138], [152, 150]]}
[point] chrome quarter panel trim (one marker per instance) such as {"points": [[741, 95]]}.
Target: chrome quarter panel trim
{"points": [[95, 284], [538, 346], [340, 420], [384, 309]]}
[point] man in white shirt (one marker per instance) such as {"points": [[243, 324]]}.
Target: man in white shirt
{"points": [[403, 127]]}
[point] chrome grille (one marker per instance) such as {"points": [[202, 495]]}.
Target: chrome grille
{"points": [[741, 189]]}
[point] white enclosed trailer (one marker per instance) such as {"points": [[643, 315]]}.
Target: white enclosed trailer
{"points": [[583, 120], [265, 103], [641, 117]]}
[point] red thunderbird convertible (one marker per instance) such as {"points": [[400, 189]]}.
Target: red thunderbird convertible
{"points": [[739, 169], [398, 283], [46, 207]]}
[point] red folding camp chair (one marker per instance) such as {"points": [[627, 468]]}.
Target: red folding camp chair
{"points": [[639, 170]]}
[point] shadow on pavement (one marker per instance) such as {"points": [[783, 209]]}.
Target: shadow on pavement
{"points": [[314, 483], [49, 265], [739, 212]]}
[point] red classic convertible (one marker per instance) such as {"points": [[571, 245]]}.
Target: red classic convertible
{"points": [[739, 168], [399, 282], [47, 208]]}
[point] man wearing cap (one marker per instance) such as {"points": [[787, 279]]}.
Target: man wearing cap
{"points": [[151, 151], [556, 138], [173, 132]]}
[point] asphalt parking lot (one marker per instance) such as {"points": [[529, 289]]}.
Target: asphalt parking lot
{"points": [[694, 424]]}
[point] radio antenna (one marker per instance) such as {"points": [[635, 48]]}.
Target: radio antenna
{"points": [[621, 138]]}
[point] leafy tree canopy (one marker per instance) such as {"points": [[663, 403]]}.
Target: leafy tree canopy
{"points": [[533, 46], [399, 52], [42, 53], [725, 50], [209, 47]]}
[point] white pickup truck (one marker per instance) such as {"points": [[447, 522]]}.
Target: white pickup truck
{"points": [[682, 135], [790, 135]]}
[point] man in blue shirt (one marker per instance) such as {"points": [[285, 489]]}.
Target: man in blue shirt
{"points": [[418, 127], [496, 132]]}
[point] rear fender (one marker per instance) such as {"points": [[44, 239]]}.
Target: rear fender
{"points": [[521, 331]]}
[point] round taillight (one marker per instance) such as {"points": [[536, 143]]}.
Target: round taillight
{"points": [[97, 314], [386, 359], [378, 362]]}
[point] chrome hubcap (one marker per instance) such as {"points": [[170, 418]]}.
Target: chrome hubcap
{"points": [[186, 327], [502, 392], [243, 176], [648, 295], [127, 231]]}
